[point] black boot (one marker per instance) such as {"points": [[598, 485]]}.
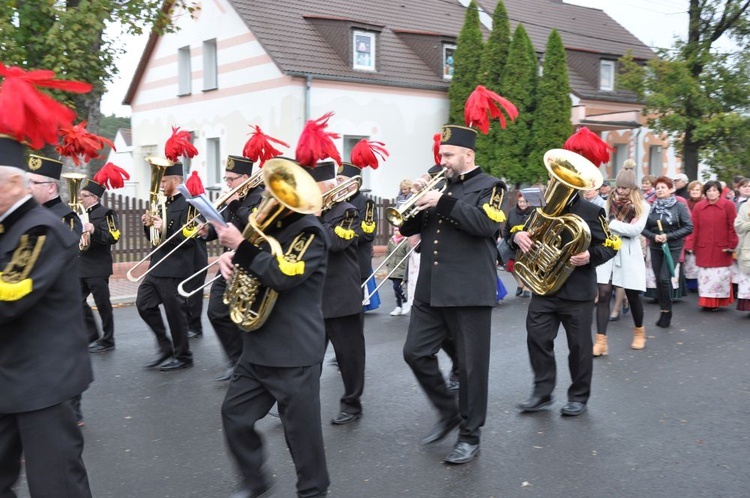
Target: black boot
{"points": [[664, 319]]}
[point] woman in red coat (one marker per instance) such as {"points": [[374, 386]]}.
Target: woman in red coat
{"points": [[714, 240]]}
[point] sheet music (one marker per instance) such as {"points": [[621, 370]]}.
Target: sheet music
{"points": [[203, 205], [533, 196]]}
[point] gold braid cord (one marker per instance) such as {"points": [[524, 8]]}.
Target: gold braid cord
{"points": [[612, 240], [112, 227], [493, 207], [14, 280]]}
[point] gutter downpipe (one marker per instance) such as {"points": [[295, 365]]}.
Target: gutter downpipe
{"points": [[308, 88]]}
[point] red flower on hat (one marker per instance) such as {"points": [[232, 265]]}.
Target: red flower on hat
{"points": [[111, 176], [589, 145], [30, 115], [484, 105], [366, 153], [316, 144], [436, 147], [260, 148], [180, 144], [194, 184], [78, 142]]}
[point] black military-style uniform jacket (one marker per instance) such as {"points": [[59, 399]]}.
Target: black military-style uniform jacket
{"points": [[181, 263], [63, 211], [96, 261], [238, 211], [366, 233], [458, 254], [294, 334], [342, 294], [44, 359], [581, 284]]}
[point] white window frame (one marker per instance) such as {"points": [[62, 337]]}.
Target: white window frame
{"points": [[210, 65], [363, 60], [213, 161], [448, 70], [655, 160], [184, 72], [607, 76]]}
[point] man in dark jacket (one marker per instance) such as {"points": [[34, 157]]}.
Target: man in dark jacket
{"points": [[44, 362], [96, 265], [573, 306], [160, 285], [281, 360], [456, 289], [44, 177]]}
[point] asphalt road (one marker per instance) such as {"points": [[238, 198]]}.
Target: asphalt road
{"points": [[668, 421]]}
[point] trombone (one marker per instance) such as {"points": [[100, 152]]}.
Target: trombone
{"points": [[397, 216], [181, 288], [368, 295], [242, 190]]}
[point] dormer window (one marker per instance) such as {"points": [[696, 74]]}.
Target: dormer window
{"points": [[607, 76], [448, 64], [363, 50]]}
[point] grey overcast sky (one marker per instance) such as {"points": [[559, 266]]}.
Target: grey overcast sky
{"points": [[654, 22]]}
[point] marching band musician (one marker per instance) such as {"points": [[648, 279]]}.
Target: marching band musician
{"points": [[573, 304], [44, 175], [160, 285], [238, 208], [456, 289], [342, 303], [96, 260], [193, 305]]}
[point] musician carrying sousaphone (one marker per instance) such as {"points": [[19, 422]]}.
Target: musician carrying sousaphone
{"points": [[560, 247]]}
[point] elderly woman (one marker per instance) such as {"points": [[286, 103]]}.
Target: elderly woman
{"points": [[668, 223], [647, 188], [742, 227], [714, 240], [626, 211]]}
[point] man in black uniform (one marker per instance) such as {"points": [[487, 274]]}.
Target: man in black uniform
{"points": [[238, 209], [96, 265], [160, 285], [44, 362], [456, 289], [573, 306], [281, 360], [44, 177], [342, 303]]}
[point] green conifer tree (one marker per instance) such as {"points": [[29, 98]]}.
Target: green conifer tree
{"points": [[466, 64], [551, 126]]}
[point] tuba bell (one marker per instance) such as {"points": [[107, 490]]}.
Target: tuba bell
{"points": [[157, 201], [289, 188], [555, 238], [74, 183]]}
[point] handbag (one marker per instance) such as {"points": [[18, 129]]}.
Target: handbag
{"points": [[506, 253]]}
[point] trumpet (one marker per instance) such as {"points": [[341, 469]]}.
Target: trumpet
{"points": [[342, 192], [74, 182], [408, 209], [220, 204]]}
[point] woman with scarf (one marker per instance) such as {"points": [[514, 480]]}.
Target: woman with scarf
{"points": [[668, 223], [626, 211], [714, 241]]}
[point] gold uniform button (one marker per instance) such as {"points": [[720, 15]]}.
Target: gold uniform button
{"points": [[436, 241], [435, 253], [437, 231], [440, 221], [435, 263], [450, 193]]}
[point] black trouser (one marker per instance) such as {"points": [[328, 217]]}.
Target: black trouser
{"points": [[346, 333], [51, 445], [603, 307], [252, 392], [99, 288], [193, 305], [398, 291], [152, 292], [470, 329], [229, 334], [545, 314], [661, 272]]}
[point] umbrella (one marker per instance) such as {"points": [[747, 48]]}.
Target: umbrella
{"points": [[667, 254]]}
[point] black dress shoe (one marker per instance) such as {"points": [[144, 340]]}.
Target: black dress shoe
{"points": [[157, 361], [573, 408], [535, 403], [343, 418], [100, 348], [227, 375], [192, 334], [519, 291], [175, 364], [463, 452], [441, 430]]}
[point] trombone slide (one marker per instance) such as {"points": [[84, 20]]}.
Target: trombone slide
{"points": [[364, 286]]}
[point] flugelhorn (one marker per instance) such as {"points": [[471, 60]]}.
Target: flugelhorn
{"points": [[220, 204], [342, 192], [157, 200], [397, 216], [74, 183]]}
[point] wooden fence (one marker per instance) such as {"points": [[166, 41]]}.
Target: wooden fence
{"points": [[133, 245]]}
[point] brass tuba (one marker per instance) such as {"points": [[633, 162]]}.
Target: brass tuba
{"points": [[289, 188], [157, 201], [555, 238], [74, 183]]}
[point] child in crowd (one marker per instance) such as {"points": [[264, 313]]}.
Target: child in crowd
{"points": [[397, 269], [404, 192]]}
